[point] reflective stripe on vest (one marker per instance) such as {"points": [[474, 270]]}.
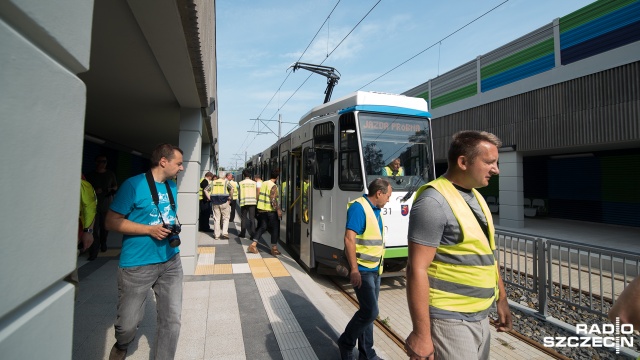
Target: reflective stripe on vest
{"points": [[247, 192], [219, 187], [369, 244], [464, 277], [264, 199]]}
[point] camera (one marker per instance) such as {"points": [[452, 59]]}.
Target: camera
{"points": [[174, 239]]}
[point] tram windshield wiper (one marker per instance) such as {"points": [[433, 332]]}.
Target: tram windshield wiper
{"points": [[414, 186]]}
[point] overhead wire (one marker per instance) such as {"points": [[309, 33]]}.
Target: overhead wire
{"points": [[434, 44], [288, 74]]}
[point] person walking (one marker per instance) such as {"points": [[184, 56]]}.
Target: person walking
{"points": [[453, 276], [145, 211], [233, 196], [221, 192], [204, 198], [105, 185], [364, 250], [248, 201], [269, 213]]}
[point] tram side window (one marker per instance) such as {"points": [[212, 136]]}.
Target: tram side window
{"points": [[349, 158], [323, 139]]}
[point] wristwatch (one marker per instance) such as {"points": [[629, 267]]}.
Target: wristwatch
{"points": [[87, 230]]}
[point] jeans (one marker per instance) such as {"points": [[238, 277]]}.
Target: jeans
{"points": [[360, 327], [247, 216], [268, 219], [133, 287]]}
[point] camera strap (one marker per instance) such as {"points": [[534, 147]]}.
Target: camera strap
{"points": [[154, 194]]}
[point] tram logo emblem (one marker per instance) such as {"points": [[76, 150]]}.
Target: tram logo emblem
{"points": [[404, 210]]}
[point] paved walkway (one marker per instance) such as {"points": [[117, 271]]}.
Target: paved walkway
{"points": [[246, 306]]}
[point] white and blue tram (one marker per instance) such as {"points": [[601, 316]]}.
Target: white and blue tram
{"points": [[339, 148]]}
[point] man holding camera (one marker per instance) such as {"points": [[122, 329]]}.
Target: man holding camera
{"points": [[144, 210]]}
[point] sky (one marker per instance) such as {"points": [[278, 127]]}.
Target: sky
{"points": [[258, 40]]}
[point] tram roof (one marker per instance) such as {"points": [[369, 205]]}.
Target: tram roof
{"points": [[369, 99]]}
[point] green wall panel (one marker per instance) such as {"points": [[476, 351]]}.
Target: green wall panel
{"points": [[455, 95], [517, 59]]}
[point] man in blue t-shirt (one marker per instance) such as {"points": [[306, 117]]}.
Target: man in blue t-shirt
{"points": [[364, 249], [148, 261]]}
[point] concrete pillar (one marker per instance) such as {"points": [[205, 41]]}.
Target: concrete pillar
{"points": [[511, 190], [42, 110], [191, 143], [205, 160]]}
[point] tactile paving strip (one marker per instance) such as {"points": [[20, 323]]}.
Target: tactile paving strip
{"points": [[291, 339]]}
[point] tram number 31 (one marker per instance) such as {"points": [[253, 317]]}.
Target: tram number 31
{"points": [[386, 211]]}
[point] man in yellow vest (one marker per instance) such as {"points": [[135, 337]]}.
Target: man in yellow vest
{"points": [[233, 197], [221, 192], [364, 249], [248, 201], [269, 213], [204, 198], [393, 169], [453, 278]]}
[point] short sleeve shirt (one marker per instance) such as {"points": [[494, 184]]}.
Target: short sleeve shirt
{"points": [[134, 201], [432, 223]]}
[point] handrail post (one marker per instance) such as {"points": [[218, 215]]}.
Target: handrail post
{"points": [[543, 286]]}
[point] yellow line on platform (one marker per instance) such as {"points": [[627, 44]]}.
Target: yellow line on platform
{"points": [[205, 270], [206, 250], [223, 269]]}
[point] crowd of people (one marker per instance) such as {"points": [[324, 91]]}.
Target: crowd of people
{"points": [[453, 277]]}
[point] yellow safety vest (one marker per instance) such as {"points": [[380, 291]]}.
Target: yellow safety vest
{"points": [[247, 192], [88, 203], [235, 189], [369, 244], [464, 277], [389, 172], [264, 200], [219, 187], [200, 192]]}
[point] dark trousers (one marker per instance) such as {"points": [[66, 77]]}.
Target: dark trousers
{"points": [[360, 327], [205, 213], [247, 220], [100, 233], [268, 219], [233, 211]]}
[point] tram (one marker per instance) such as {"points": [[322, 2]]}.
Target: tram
{"points": [[338, 149]]}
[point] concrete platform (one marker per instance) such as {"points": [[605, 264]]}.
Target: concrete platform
{"points": [[248, 306]]}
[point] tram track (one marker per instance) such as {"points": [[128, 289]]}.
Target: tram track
{"points": [[399, 340]]}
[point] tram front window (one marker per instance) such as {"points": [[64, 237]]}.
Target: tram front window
{"points": [[395, 147]]}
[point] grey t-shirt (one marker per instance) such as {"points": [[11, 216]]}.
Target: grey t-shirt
{"points": [[432, 223]]}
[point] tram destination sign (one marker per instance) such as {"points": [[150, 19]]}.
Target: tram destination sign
{"points": [[391, 125]]}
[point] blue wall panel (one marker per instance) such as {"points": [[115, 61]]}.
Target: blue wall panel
{"points": [[523, 71], [619, 37]]}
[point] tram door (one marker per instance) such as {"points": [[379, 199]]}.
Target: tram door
{"points": [[306, 248], [294, 219]]}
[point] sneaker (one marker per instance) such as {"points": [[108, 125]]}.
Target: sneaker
{"points": [[116, 353]]}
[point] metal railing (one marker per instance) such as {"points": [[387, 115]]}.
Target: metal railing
{"points": [[587, 277]]}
